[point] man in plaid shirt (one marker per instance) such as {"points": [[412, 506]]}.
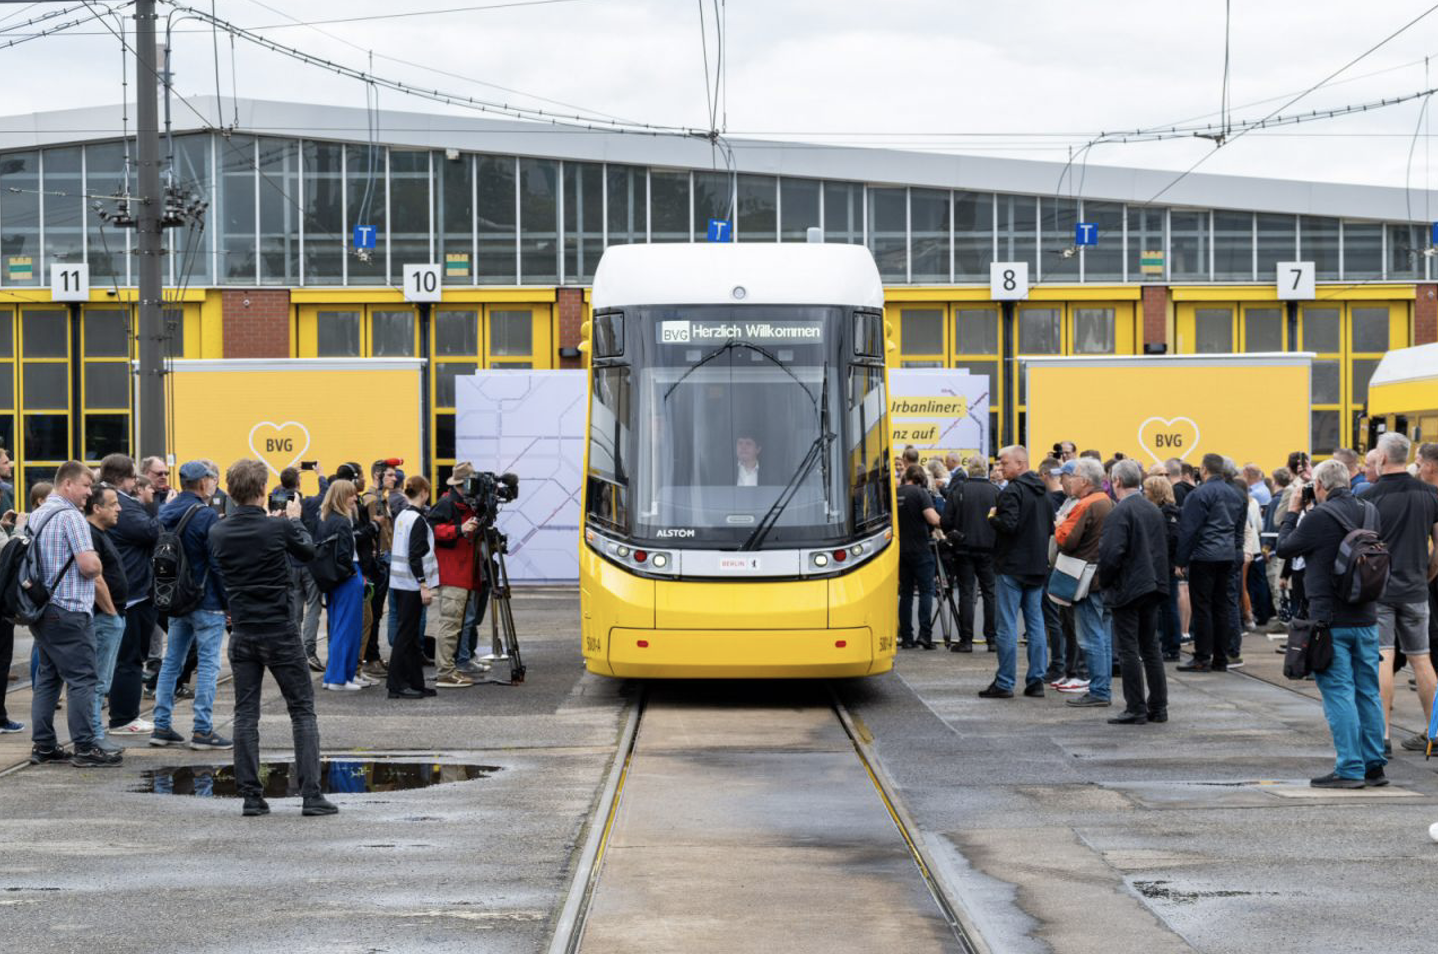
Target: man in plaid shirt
{"points": [[68, 564]]}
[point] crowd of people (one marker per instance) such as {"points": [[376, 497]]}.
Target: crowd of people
{"points": [[1111, 572], [140, 582]]}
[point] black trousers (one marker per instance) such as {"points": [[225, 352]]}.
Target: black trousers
{"points": [[1211, 594], [1140, 658], [971, 568], [7, 652], [378, 595], [406, 665], [129, 675], [283, 654]]}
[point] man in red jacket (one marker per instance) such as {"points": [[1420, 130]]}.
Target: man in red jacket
{"points": [[455, 527]]}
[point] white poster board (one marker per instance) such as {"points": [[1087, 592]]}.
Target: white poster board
{"points": [[532, 424], [939, 410]]}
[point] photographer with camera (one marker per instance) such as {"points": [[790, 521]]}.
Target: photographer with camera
{"points": [[251, 550], [455, 523]]}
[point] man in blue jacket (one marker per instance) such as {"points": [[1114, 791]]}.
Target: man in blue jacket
{"points": [[1210, 533], [134, 537], [203, 626]]}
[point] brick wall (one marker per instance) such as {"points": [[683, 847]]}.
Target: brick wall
{"points": [[570, 305], [1425, 315], [257, 323], [1155, 314]]}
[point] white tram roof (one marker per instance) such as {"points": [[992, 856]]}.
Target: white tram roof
{"points": [[1419, 363], [732, 273]]}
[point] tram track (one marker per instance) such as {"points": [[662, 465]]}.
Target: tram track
{"points": [[613, 815]]}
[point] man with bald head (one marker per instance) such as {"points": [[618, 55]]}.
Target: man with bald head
{"points": [[1023, 522]]}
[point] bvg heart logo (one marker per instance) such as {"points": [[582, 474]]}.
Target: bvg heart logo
{"points": [[1166, 438], [279, 445]]}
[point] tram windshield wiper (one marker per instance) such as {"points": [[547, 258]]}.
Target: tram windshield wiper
{"points": [[730, 345], [817, 451]]}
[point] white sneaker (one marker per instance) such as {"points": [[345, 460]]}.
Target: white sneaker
{"points": [[358, 682], [341, 686], [1074, 685], [135, 727]]}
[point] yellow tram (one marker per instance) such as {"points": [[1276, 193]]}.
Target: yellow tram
{"points": [[1403, 396], [738, 511]]}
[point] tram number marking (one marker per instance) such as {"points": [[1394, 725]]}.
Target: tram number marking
{"points": [[592, 644]]}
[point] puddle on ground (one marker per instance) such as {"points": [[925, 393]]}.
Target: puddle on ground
{"points": [[342, 776]]}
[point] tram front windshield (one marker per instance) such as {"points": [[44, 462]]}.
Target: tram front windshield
{"points": [[739, 421]]}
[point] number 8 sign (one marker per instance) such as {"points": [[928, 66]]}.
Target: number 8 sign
{"points": [[1009, 281], [421, 283]]}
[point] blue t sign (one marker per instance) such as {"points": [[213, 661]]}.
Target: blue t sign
{"points": [[364, 236], [718, 230], [1435, 234], [1086, 233]]}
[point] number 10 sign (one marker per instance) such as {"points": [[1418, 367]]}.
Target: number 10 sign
{"points": [[1009, 281], [421, 283]]}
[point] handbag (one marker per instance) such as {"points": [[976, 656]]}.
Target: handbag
{"points": [[1070, 580], [1310, 649]]}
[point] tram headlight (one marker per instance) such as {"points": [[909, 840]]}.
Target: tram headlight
{"points": [[622, 551], [821, 559], [660, 561]]}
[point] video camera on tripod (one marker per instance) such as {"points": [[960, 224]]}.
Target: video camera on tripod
{"points": [[484, 492]]}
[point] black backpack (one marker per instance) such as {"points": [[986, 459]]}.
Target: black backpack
{"points": [[328, 569], [1360, 570], [175, 591], [24, 594]]}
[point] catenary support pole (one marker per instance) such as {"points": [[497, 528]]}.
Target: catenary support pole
{"points": [[150, 243]]}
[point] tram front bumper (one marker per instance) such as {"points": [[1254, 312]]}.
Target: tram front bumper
{"points": [[742, 654]]}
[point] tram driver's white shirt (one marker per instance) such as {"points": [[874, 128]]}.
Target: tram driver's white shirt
{"points": [[748, 477]]}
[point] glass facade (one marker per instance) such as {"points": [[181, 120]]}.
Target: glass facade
{"points": [[282, 212]]}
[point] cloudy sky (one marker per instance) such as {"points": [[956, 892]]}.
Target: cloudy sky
{"points": [[1030, 79]]}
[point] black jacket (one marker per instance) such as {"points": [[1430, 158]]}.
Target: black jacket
{"points": [[1211, 529], [967, 511], [1171, 517], [342, 526], [134, 536], [250, 551], [1133, 552], [1317, 539], [1023, 521]]}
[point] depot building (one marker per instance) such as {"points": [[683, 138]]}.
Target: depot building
{"points": [[313, 212]]}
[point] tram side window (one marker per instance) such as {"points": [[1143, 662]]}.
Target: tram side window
{"points": [[607, 495], [868, 458]]}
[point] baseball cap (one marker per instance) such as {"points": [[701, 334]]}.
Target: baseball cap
{"points": [[196, 469], [1068, 468]]}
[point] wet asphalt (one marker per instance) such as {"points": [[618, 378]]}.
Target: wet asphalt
{"points": [[1052, 830]]}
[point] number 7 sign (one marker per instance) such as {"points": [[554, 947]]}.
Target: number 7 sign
{"points": [[1297, 281]]}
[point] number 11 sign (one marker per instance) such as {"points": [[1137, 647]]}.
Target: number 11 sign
{"points": [[69, 282]]}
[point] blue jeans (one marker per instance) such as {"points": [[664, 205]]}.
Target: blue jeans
{"points": [[1351, 701], [206, 629], [1096, 640], [1014, 595], [108, 632]]}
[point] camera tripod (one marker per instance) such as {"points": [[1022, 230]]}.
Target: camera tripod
{"points": [[945, 596], [504, 640]]}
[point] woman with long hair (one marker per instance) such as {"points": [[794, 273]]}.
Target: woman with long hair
{"points": [[346, 609], [1160, 493]]}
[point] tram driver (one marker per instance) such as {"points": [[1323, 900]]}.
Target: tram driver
{"points": [[746, 449]]}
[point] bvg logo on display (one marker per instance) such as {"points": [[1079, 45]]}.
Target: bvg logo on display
{"points": [[674, 332], [279, 445], [1164, 438]]}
